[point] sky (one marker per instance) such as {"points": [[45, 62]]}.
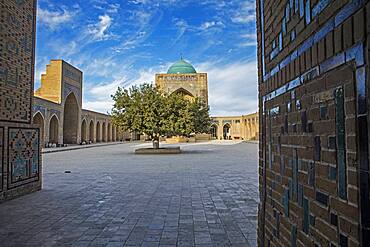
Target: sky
{"points": [[119, 43]]}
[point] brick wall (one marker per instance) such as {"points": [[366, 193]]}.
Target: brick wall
{"points": [[20, 159], [313, 85]]}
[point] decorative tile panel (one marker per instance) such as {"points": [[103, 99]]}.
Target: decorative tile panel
{"points": [[1, 157], [23, 156], [16, 78]]}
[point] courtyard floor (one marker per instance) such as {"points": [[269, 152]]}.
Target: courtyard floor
{"points": [[207, 196]]}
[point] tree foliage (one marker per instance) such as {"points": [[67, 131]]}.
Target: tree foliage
{"points": [[144, 109]]}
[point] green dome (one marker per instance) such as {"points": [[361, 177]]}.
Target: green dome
{"points": [[181, 67]]}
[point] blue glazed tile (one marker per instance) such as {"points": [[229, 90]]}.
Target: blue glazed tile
{"points": [[300, 195], [327, 28], [275, 111], [308, 12], [280, 41], [356, 53], [305, 46], [332, 173], [322, 198], [317, 148], [294, 83], [301, 8], [334, 219], [319, 7], [332, 62], [275, 70], [347, 11], [292, 35], [306, 215], [298, 105], [293, 237], [287, 13], [310, 75], [283, 26], [361, 90], [285, 62], [294, 55], [311, 174], [296, 6]]}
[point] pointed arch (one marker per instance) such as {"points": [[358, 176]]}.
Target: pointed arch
{"points": [[70, 119], [54, 129], [91, 131], [39, 120], [98, 133], [83, 131]]}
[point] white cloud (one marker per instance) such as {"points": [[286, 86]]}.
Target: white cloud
{"points": [[232, 87], [245, 13], [54, 19], [211, 24], [99, 31], [248, 39]]}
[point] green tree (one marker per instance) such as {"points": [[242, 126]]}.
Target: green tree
{"points": [[201, 118], [144, 109], [140, 109]]}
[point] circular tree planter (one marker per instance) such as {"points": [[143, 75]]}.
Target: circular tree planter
{"points": [[168, 150]]}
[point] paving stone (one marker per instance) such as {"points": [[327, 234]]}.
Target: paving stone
{"points": [[206, 197]]}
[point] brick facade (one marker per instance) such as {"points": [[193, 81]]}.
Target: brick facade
{"points": [[314, 152], [20, 159]]}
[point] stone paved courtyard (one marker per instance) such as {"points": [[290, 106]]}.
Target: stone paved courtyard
{"points": [[205, 197]]}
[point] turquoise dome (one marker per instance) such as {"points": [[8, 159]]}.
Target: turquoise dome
{"points": [[181, 67]]}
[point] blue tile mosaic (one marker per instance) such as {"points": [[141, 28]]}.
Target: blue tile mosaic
{"points": [[341, 143], [327, 28], [361, 90], [308, 12], [347, 11], [356, 53], [332, 63], [319, 7], [23, 155]]}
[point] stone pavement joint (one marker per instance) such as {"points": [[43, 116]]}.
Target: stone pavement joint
{"points": [[207, 196]]}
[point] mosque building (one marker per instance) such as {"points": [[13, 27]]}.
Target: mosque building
{"points": [[183, 78]]}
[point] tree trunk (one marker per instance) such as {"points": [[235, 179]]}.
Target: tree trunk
{"points": [[155, 144]]}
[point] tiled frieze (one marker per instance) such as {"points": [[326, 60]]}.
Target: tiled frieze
{"points": [[23, 156], [314, 159]]}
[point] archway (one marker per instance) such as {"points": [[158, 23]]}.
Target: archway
{"points": [[91, 131], [70, 120], [104, 131], [185, 93], [83, 131], [38, 119], [54, 130], [109, 132], [214, 129], [226, 132], [98, 137]]}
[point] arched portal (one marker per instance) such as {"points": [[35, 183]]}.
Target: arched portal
{"points": [[226, 132], [185, 93], [98, 136], [214, 129], [54, 130], [70, 120], [109, 132], [91, 131], [104, 132], [83, 131], [38, 119]]}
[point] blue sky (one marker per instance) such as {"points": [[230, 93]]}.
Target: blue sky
{"points": [[125, 42]]}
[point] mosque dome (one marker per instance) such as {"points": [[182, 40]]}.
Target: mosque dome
{"points": [[181, 67]]}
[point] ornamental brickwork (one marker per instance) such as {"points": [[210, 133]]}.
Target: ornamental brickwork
{"points": [[314, 154], [20, 159]]}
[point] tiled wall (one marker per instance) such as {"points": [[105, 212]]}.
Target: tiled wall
{"points": [[314, 170], [20, 161]]}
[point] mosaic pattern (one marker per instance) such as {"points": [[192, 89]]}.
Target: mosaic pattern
{"points": [[23, 156], [70, 88], [16, 81], [1, 157]]}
